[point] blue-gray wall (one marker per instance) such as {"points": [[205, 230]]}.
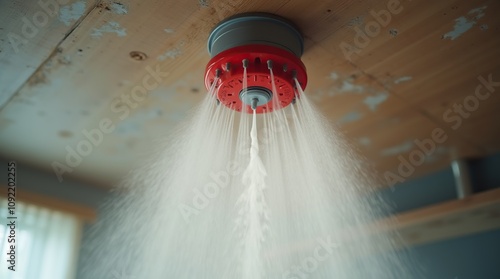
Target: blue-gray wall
{"points": [[471, 257]]}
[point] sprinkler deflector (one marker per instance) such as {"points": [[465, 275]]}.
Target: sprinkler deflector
{"points": [[258, 42]]}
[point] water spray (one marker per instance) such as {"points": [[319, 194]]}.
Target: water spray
{"points": [[254, 47], [256, 214]]}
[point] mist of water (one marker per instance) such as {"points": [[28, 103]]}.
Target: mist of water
{"points": [[231, 195]]}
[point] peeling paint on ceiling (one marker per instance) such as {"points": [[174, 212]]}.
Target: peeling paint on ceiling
{"points": [[350, 117], [170, 54], [374, 101], [348, 86], [402, 79], [334, 76], [110, 27], [356, 21], [70, 13], [465, 23], [203, 3], [119, 8]]}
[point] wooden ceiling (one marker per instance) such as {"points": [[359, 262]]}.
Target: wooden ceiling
{"points": [[66, 67]]}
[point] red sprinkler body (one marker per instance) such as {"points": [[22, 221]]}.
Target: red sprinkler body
{"points": [[260, 43]]}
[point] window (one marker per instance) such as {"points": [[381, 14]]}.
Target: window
{"points": [[47, 243]]}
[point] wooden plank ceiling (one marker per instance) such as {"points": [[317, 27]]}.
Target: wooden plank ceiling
{"points": [[64, 67]]}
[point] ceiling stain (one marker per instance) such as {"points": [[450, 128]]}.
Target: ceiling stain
{"points": [[39, 77], [55, 60], [64, 60]]}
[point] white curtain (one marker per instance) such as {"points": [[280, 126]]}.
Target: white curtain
{"points": [[47, 243]]}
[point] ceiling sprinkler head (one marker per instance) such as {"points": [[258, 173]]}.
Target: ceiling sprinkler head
{"points": [[255, 43], [255, 96]]}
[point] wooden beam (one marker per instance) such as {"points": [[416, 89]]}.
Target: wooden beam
{"points": [[474, 214], [83, 212]]}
